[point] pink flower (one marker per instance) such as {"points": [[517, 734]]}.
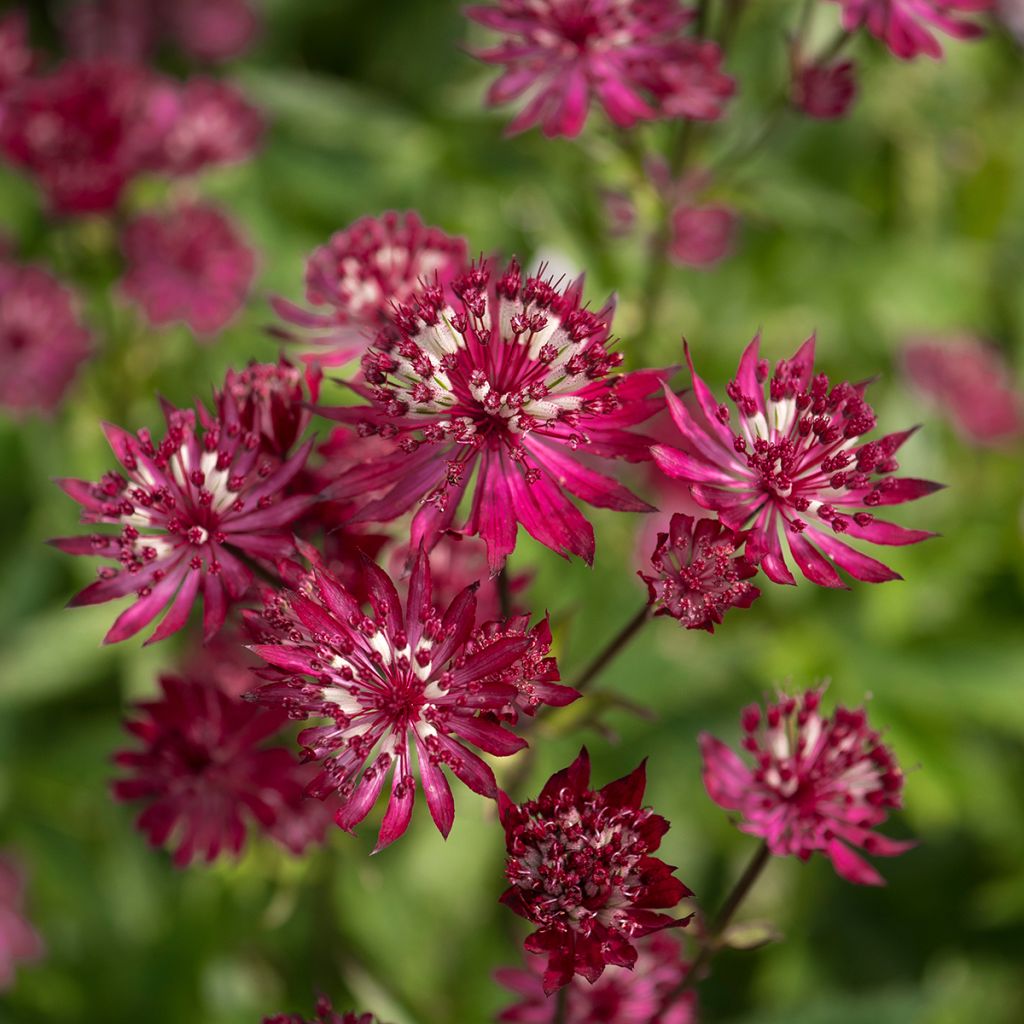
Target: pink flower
{"points": [[512, 382], [214, 125], [84, 131], [124, 30], [192, 509], [907, 27], [825, 91], [698, 575], [325, 1014], [391, 683], [619, 996], [970, 382], [16, 56], [271, 404], [19, 942], [793, 463], [817, 783], [363, 273], [202, 770], [701, 235], [188, 264], [580, 867], [689, 82], [560, 54], [42, 339], [213, 30]]}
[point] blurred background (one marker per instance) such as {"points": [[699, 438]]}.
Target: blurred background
{"points": [[904, 220]]}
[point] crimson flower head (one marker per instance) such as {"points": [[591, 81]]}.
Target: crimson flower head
{"points": [[688, 80], [619, 996], [42, 339], [325, 1014], [698, 576], [211, 30], [16, 56], [203, 770], [561, 54], [825, 91], [270, 399], [702, 236], [189, 264], [362, 274], [85, 130], [908, 27], [793, 462], [817, 783], [19, 941], [580, 867], [393, 683], [508, 379], [191, 510]]}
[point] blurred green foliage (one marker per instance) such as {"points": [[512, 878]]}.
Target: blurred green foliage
{"points": [[906, 217]]}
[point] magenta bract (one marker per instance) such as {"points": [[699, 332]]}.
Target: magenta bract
{"points": [[908, 27]]}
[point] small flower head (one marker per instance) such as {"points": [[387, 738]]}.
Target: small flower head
{"points": [[908, 27], [270, 399], [204, 769], [511, 380], [16, 56], [581, 868], [689, 82], [189, 264], [42, 339], [191, 509], [816, 784], [401, 687], [825, 91], [698, 576], [19, 941], [561, 54], [702, 236], [211, 30], [325, 1014], [792, 461], [619, 996], [363, 273]]}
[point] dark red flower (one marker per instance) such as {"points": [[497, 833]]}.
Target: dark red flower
{"points": [[580, 867], [191, 510], [362, 274], [907, 27], [203, 770], [325, 1014], [510, 381], [42, 339], [817, 783], [270, 398], [213, 30], [825, 91], [702, 236], [391, 683], [793, 464], [698, 574], [19, 941], [16, 56]]}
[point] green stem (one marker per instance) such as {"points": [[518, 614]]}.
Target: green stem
{"points": [[562, 1005], [613, 647]]}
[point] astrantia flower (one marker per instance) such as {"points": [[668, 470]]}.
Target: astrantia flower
{"points": [[817, 783], [908, 27], [213, 30], [580, 867], [702, 236], [793, 462], [19, 942], [363, 273], [825, 91], [619, 996], [189, 264], [325, 1014], [698, 575], [203, 770], [393, 683], [688, 80], [271, 403], [512, 382], [192, 508], [970, 382], [16, 57], [85, 130], [559, 54], [42, 340]]}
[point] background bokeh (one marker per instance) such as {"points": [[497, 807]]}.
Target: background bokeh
{"points": [[905, 218]]}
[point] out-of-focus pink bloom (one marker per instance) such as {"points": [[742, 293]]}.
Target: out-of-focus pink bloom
{"points": [[391, 683], [701, 235], [825, 91], [223, 662], [325, 1014], [817, 784], [560, 54], [85, 130], [188, 264], [203, 770], [42, 340], [303, 821], [271, 403], [213, 30], [19, 942], [698, 576], [191, 510], [362, 274], [1011, 14], [908, 27], [16, 56], [793, 464], [510, 381], [689, 82], [620, 212], [123, 30], [214, 125], [969, 382], [580, 867], [619, 996]]}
